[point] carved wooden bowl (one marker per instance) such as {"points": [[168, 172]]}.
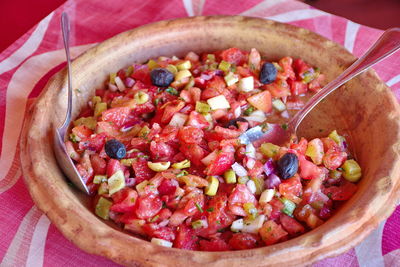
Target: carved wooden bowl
{"points": [[364, 109]]}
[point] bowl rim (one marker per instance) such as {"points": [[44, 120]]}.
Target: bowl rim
{"points": [[106, 235]]}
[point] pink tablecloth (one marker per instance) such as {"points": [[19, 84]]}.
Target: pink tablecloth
{"points": [[27, 236]]}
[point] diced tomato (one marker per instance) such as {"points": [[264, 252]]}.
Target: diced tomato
{"points": [[292, 226], [342, 192], [292, 189], [316, 150], [279, 88], [113, 166], [153, 230], [234, 56], [82, 131], [164, 214], [193, 152], [286, 64], [226, 133], [222, 163], [309, 170], [170, 109], [148, 206], [167, 187], [261, 101], [99, 164], [124, 200], [142, 171], [213, 245], [333, 160], [142, 73], [144, 108], [257, 169], [272, 233], [240, 195], [277, 207], [94, 143], [186, 238], [197, 120], [301, 146], [243, 241], [161, 151], [300, 67], [116, 116], [140, 143], [190, 135], [329, 144], [297, 87], [315, 84]]}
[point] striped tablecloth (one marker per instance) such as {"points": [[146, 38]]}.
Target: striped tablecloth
{"points": [[27, 236]]}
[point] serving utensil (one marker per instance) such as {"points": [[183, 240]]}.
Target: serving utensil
{"points": [[63, 159], [386, 45]]}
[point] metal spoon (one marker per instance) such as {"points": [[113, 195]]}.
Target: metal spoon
{"points": [[387, 44], [63, 159]]}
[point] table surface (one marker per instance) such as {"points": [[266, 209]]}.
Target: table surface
{"points": [[28, 237], [24, 14]]}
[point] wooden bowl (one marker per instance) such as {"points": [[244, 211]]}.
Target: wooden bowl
{"points": [[364, 109]]}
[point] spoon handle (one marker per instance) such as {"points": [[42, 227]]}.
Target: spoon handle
{"points": [[65, 32], [387, 44]]}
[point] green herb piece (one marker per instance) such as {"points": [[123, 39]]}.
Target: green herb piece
{"points": [[172, 91], [198, 207], [248, 111]]}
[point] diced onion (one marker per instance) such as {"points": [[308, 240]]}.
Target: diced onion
{"points": [[112, 87], [250, 151], [246, 84], [253, 226], [161, 242], [258, 116], [250, 163], [239, 169], [269, 167], [251, 186], [237, 225], [120, 84], [207, 160], [129, 82], [178, 120], [237, 112], [266, 196], [218, 102], [285, 114]]}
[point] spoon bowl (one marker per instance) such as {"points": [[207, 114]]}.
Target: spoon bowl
{"points": [[386, 45], [63, 159]]}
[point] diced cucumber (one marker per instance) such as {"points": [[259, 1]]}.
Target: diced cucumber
{"points": [[98, 179], [99, 108], [202, 107], [278, 105], [230, 177], [266, 196], [103, 207], [351, 170], [246, 84], [186, 65], [289, 206], [218, 102], [269, 149], [212, 188], [161, 242], [116, 182], [231, 79], [224, 66]]}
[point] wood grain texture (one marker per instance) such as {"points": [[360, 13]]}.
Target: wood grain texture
{"points": [[364, 109]]}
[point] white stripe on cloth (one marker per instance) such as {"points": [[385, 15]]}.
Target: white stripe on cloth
{"points": [[369, 252], [189, 7], [350, 35], [263, 5], [18, 250], [36, 249], [18, 90], [393, 81], [28, 48], [298, 15]]}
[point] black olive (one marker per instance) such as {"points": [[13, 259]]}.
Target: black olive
{"points": [[161, 77], [234, 122], [115, 149], [288, 165], [268, 73]]}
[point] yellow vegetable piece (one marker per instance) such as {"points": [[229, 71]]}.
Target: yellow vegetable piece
{"points": [[172, 68], [152, 64], [351, 170], [224, 66], [335, 137], [231, 79], [182, 74], [212, 188], [112, 77], [141, 97], [251, 210], [99, 108], [96, 99], [186, 65], [259, 182], [127, 162], [89, 122], [230, 177], [335, 174], [116, 182], [243, 179], [103, 189], [202, 107], [269, 149], [144, 131], [158, 166], [103, 208], [181, 165], [98, 179]]}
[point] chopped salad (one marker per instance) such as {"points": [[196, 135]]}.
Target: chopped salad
{"points": [[158, 148]]}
